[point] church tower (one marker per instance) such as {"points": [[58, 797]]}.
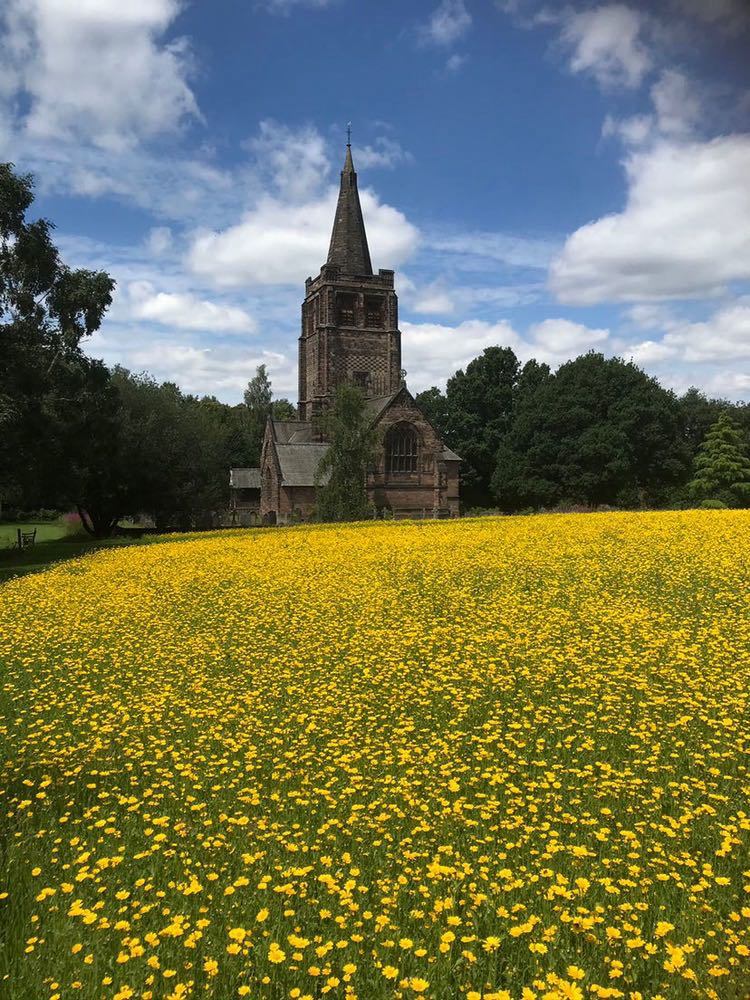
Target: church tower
{"points": [[349, 316]]}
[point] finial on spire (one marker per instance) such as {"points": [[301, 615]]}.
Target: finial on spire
{"points": [[348, 133]]}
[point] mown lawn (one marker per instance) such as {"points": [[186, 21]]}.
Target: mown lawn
{"points": [[488, 759]]}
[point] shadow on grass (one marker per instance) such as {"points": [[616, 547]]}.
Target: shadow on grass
{"points": [[43, 554]]}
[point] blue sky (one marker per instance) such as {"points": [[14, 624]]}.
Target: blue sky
{"points": [[552, 177]]}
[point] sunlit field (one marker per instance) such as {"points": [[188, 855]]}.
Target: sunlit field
{"points": [[499, 758]]}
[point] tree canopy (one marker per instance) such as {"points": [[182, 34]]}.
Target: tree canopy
{"points": [[46, 310], [722, 467], [599, 431]]}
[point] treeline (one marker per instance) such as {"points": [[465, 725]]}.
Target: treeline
{"points": [[77, 435], [112, 444], [598, 431]]}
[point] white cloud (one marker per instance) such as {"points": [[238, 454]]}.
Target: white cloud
{"points": [[159, 240], [725, 336], [185, 311], [293, 162], [650, 316], [606, 42], [563, 338], [433, 299], [515, 251], [433, 351], [449, 22], [279, 243], [216, 369], [95, 69], [383, 152], [455, 62], [677, 104], [684, 233]]}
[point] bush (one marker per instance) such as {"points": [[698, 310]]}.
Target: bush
{"points": [[713, 504]]}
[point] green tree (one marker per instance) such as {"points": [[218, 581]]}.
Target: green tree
{"points": [[46, 309], [722, 468], [341, 477], [434, 405], [282, 409], [258, 397], [259, 405], [477, 411], [600, 431], [173, 452]]}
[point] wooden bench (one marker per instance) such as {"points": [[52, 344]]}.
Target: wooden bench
{"points": [[26, 538]]}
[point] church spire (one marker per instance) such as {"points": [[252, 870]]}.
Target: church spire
{"points": [[348, 249]]}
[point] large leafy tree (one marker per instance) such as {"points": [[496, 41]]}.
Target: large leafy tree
{"points": [[600, 431], [46, 309], [477, 411], [174, 451], [342, 474], [722, 468]]}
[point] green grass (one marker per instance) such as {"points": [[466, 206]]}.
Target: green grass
{"points": [[53, 543], [46, 531]]}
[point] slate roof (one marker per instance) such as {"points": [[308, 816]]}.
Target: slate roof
{"points": [[299, 463], [292, 431], [348, 249], [244, 479]]}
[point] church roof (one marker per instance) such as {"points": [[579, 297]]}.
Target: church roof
{"points": [[348, 249], [299, 463], [244, 479], [292, 431]]}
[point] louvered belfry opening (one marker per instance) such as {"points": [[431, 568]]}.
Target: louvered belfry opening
{"points": [[402, 449]]}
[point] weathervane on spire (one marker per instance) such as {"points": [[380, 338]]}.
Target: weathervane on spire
{"points": [[348, 133]]}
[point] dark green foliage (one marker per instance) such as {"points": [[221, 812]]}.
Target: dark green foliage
{"points": [[722, 468], [46, 309], [282, 409], [351, 453], [434, 406], [599, 431], [477, 411]]}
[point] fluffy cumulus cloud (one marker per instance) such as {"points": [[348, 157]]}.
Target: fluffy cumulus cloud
{"points": [[278, 242], [185, 311], [383, 152], [215, 368], [606, 42], [725, 336], [433, 351], [95, 70], [447, 24], [684, 232], [291, 162]]}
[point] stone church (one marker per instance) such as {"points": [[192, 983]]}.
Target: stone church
{"points": [[350, 333]]}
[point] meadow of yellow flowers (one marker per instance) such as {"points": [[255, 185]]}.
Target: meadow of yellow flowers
{"points": [[488, 759]]}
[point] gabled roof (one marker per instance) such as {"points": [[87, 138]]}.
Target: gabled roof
{"points": [[299, 463], [292, 431], [377, 405], [244, 479], [348, 249]]}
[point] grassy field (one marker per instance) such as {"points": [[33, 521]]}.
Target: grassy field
{"points": [[53, 544], [46, 531], [496, 758]]}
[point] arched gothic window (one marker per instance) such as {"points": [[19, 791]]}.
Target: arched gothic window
{"points": [[402, 449]]}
